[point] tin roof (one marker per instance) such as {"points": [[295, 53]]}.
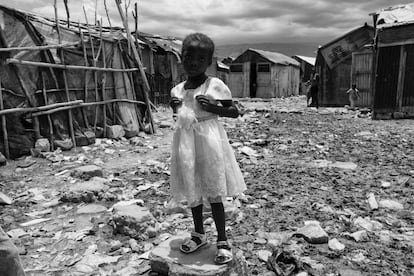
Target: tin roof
{"points": [[310, 60], [395, 15], [276, 58]]}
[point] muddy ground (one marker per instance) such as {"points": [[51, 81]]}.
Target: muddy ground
{"points": [[300, 164]]}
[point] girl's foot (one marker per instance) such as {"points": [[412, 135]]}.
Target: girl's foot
{"points": [[224, 253], [196, 241]]}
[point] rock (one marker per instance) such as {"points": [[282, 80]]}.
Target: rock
{"points": [[89, 264], [349, 272], [85, 138], [10, 261], [264, 255], [137, 141], [3, 160], [344, 165], [34, 222], [313, 233], [358, 236], [134, 245], [391, 204], [91, 209], [335, 245], [65, 144], [5, 200], [42, 145], [87, 191], [372, 201], [167, 259], [17, 233], [385, 184], [87, 172], [130, 132], [368, 224], [132, 220], [248, 151], [115, 132]]}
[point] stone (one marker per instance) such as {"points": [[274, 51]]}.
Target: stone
{"points": [[91, 209], [359, 236], [391, 204], [132, 220], [115, 132], [372, 201], [65, 144], [167, 259], [85, 138], [133, 244], [87, 172], [349, 272], [17, 233], [89, 264], [87, 191], [385, 184], [264, 255], [368, 224], [130, 132], [42, 145], [5, 200], [10, 263], [313, 233], [335, 245], [3, 160], [398, 115]]}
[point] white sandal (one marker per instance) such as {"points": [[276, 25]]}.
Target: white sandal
{"points": [[190, 245], [223, 255]]}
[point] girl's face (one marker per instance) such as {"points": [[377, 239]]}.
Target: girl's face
{"points": [[196, 59]]}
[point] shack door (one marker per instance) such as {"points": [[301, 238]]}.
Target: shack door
{"points": [[264, 89], [361, 75]]}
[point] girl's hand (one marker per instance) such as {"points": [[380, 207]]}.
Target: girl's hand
{"points": [[204, 102]]}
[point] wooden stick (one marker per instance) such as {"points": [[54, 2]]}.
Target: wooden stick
{"points": [[85, 105], [138, 60], [67, 12], [103, 79], [4, 126], [39, 108], [85, 77], [136, 29], [62, 90], [68, 67], [65, 81], [107, 15], [49, 119], [40, 48], [95, 76]]}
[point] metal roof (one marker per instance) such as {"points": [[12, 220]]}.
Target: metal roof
{"points": [[276, 58], [310, 60], [395, 15]]}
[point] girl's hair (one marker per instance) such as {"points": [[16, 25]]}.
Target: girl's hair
{"points": [[202, 38]]}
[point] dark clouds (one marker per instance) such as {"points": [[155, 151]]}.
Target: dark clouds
{"points": [[232, 21]]}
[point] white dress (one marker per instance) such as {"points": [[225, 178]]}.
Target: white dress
{"points": [[203, 165]]}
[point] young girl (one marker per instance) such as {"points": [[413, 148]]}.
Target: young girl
{"points": [[203, 165]]}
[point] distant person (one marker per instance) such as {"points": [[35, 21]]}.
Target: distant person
{"points": [[314, 89], [203, 164], [308, 94], [9, 257], [353, 94]]}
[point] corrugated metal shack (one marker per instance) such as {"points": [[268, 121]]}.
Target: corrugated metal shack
{"points": [[307, 66], [342, 62], [263, 74], [67, 81], [394, 82]]}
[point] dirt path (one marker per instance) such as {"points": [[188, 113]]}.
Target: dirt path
{"points": [[299, 164]]}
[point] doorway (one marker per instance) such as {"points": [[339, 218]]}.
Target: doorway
{"points": [[253, 80]]}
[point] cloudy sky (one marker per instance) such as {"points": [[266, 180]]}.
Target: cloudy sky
{"points": [[229, 21]]}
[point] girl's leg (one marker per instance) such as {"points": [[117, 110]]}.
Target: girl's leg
{"points": [[220, 220], [198, 221]]}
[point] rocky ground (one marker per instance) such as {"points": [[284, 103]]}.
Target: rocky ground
{"points": [[330, 192]]}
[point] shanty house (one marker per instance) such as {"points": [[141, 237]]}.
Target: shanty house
{"points": [[264, 74], [394, 81], [342, 62], [307, 65], [66, 81]]}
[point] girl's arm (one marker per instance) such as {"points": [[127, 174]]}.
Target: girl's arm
{"points": [[227, 108]]}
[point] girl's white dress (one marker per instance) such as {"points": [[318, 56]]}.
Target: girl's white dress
{"points": [[203, 165]]}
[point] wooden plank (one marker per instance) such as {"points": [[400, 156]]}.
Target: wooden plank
{"points": [[4, 126], [40, 48], [67, 67], [401, 76]]}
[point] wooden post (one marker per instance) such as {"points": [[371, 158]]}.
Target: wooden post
{"points": [[141, 69], [4, 126], [135, 15], [401, 77], [107, 15], [49, 119], [71, 129], [85, 77], [95, 76], [103, 77]]}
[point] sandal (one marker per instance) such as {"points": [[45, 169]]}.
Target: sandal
{"points": [[224, 253], [190, 244]]}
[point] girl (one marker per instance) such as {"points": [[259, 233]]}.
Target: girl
{"points": [[203, 165]]}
